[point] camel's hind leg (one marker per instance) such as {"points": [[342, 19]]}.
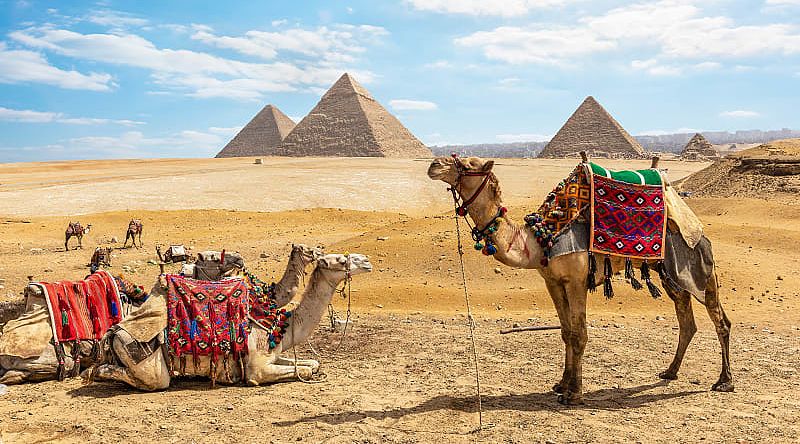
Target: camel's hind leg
{"points": [[723, 326], [683, 308], [140, 240], [559, 296]]}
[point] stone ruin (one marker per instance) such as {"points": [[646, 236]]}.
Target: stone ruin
{"points": [[261, 136], [699, 148], [592, 129], [349, 122]]}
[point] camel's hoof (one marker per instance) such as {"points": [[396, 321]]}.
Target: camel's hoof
{"points": [[726, 386], [558, 388], [570, 398], [668, 375]]}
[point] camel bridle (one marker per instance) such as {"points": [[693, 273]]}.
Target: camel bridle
{"points": [[461, 206]]}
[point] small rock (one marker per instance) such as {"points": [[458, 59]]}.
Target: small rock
{"points": [[379, 305], [515, 325], [114, 239], [659, 318], [48, 270], [383, 238], [163, 427], [230, 407], [497, 270], [779, 278], [263, 255]]}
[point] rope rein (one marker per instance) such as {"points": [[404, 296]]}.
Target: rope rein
{"points": [[470, 319]]}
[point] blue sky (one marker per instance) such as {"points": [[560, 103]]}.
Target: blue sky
{"points": [[178, 78]]}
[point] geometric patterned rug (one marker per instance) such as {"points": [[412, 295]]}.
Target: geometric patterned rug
{"points": [[627, 219]]}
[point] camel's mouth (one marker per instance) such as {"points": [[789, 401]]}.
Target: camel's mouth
{"points": [[437, 170]]}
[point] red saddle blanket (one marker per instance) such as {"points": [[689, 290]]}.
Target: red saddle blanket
{"points": [[82, 310], [207, 318], [628, 220]]}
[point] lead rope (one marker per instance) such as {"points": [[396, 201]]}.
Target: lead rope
{"points": [[470, 320]]}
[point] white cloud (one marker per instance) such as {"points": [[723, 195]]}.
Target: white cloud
{"points": [[29, 116], [524, 137], [21, 66], [783, 2], [502, 8], [202, 75], [412, 105], [277, 23], [115, 19], [229, 131], [668, 29], [653, 67], [740, 113], [338, 42]]}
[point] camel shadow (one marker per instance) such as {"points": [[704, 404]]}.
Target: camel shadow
{"points": [[112, 389], [604, 399]]}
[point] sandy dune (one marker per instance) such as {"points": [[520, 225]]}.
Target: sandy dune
{"points": [[404, 374]]}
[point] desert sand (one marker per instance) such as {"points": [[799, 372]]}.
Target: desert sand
{"points": [[403, 373]]}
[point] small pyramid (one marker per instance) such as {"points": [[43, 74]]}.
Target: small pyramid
{"points": [[592, 129], [699, 148], [349, 122], [261, 136]]}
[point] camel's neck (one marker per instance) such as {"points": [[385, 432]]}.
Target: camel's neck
{"points": [[516, 245], [287, 287], [313, 304]]}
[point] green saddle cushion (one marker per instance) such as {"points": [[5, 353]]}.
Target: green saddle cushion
{"points": [[650, 176]]}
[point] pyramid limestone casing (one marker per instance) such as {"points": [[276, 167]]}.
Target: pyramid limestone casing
{"points": [[349, 122], [261, 136], [592, 129]]}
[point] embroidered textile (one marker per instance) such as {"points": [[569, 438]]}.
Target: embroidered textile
{"points": [[82, 310], [207, 318], [265, 311], [627, 220]]}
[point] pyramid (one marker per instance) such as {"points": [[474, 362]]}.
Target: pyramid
{"points": [[592, 129], [261, 136], [699, 148], [349, 122]]}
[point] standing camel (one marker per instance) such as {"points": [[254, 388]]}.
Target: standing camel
{"points": [[77, 230], [566, 276], [263, 365], [134, 228]]}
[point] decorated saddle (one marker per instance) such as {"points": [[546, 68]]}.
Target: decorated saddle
{"points": [[626, 212], [264, 310], [81, 311], [207, 318]]}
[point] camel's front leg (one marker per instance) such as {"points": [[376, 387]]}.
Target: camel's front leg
{"points": [[559, 296], [314, 364], [683, 308], [269, 373], [577, 337]]}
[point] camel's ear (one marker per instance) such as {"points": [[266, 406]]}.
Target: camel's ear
{"points": [[488, 166]]}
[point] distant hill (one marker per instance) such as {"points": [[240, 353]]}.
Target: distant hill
{"points": [[673, 143]]}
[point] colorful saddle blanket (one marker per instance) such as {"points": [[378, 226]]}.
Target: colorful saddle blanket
{"points": [[265, 311], [627, 211], [82, 310], [206, 319]]}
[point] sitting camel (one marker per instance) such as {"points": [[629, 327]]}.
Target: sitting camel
{"points": [[26, 355], [134, 228], [26, 349], [77, 230], [566, 276], [263, 365]]}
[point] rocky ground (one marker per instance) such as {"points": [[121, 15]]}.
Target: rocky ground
{"points": [[404, 373]]}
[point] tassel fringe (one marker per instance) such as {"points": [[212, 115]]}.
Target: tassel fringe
{"points": [[608, 290], [654, 291], [591, 281], [631, 276]]}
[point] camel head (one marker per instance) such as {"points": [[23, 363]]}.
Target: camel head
{"points": [[449, 168], [337, 266], [306, 254]]}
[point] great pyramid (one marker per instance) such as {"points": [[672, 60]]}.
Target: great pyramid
{"points": [[699, 148], [261, 136], [592, 129], [349, 122]]}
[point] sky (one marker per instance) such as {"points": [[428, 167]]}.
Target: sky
{"points": [[133, 79]]}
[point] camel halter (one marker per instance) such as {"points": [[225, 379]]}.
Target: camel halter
{"points": [[481, 236]]}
